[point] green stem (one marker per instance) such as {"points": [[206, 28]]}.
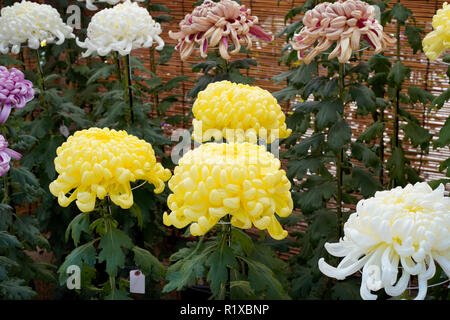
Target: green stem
{"points": [[118, 69], [41, 83], [127, 87], [112, 280], [395, 137], [227, 237], [155, 92], [340, 156], [382, 147]]}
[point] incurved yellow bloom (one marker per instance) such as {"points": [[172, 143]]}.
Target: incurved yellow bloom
{"points": [[240, 179], [97, 162], [438, 40], [224, 108]]}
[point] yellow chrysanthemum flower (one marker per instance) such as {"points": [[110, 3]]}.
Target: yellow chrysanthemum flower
{"points": [[98, 162], [240, 179], [438, 40], [225, 108]]}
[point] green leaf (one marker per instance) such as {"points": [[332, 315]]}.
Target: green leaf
{"points": [[436, 183], [312, 143], [148, 263], [346, 290], [13, 289], [396, 166], [364, 97], [439, 101], [417, 134], [158, 7], [328, 114], [317, 190], [444, 135], [79, 224], [323, 225], [6, 60], [8, 240], [363, 153], [417, 94], [299, 168], [339, 135], [364, 180], [244, 240], [136, 210], [263, 280], [372, 132], [116, 294], [111, 245], [414, 38], [104, 72], [398, 74], [166, 54], [83, 254], [401, 13], [221, 259], [380, 64]]}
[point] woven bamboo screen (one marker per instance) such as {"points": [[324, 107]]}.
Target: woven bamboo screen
{"points": [[430, 75]]}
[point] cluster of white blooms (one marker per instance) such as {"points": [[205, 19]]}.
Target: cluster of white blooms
{"points": [[91, 6], [407, 228], [122, 28], [33, 23]]}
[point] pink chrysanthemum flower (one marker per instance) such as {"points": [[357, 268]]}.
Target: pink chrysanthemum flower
{"points": [[5, 156], [343, 22], [217, 24], [15, 91]]}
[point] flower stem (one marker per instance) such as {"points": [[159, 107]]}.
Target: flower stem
{"points": [[340, 157], [118, 70], [227, 238], [112, 280], [127, 88], [155, 92], [395, 137], [41, 82]]}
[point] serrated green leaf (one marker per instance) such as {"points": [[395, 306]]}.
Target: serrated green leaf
{"points": [[414, 38], [372, 132], [444, 135], [104, 72], [363, 153], [111, 245], [79, 224], [417, 134], [328, 114], [8, 240], [148, 263], [14, 289], [339, 135], [219, 261], [398, 74], [364, 180], [364, 97], [85, 253], [401, 13], [263, 280]]}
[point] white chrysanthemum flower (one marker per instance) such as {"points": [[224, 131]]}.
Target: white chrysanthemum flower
{"points": [[33, 23], [406, 228], [91, 6], [122, 28]]}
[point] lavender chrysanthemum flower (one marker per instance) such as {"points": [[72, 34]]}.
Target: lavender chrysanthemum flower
{"points": [[5, 156], [15, 91]]}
